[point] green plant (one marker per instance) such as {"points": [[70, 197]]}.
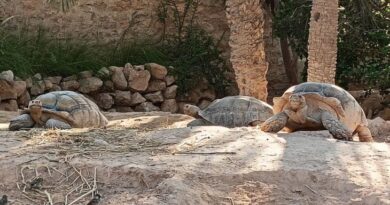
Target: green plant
{"points": [[191, 51]]}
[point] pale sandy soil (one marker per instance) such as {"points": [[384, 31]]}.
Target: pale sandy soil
{"points": [[153, 158]]}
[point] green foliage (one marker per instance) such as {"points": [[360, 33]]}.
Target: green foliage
{"points": [[363, 40], [191, 51], [26, 53]]}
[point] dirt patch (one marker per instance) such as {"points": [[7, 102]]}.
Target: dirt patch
{"points": [[153, 158]]}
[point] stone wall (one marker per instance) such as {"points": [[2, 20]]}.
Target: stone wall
{"points": [[138, 19]]}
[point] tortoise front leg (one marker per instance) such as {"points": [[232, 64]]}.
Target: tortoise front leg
{"points": [[53, 123], [364, 134], [335, 127], [275, 123], [20, 122]]}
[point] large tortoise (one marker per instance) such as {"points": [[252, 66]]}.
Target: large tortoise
{"points": [[232, 111], [318, 106], [60, 109]]}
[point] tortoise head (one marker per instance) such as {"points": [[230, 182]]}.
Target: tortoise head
{"points": [[191, 110], [35, 107], [296, 101]]}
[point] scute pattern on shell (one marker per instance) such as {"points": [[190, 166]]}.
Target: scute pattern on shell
{"points": [[354, 115], [235, 111], [84, 112]]}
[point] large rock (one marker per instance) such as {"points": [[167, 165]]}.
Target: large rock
{"points": [[380, 129], [108, 86], [139, 80], [157, 71], [104, 73], [70, 85], [169, 105], [48, 84], [7, 75], [38, 88], [55, 88], [89, 85], [118, 77], [204, 104], [29, 82], [385, 113], [155, 97], [126, 70], [208, 94], [9, 105], [170, 92], [86, 74], [146, 107], [70, 78], [37, 77], [156, 85], [104, 100], [122, 98], [54, 79], [24, 99], [20, 87], [136, 99], [7, 90], [192, 96], [169, 80]]}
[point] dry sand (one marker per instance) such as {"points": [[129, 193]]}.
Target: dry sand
{"points": [[153, 158]]}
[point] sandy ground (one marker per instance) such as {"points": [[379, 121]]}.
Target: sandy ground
{"points": [[153, 158]]}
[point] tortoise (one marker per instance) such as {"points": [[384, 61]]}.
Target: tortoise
{"points": [[319, 106], [60, 109], [232, 111]]}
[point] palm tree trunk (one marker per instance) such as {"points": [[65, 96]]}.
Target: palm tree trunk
{"points": [[323, 41]]}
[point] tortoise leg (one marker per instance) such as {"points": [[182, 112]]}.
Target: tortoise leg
{"points": [[364, 134], [21, 121], [199, 122], [335, 127], [52, 123], [275, 123]]}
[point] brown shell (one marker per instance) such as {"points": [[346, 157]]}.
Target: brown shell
{"points": [[236, 111]]}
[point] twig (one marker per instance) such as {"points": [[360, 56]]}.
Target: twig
{"points": [[312, 190], [29, 198], [48, 197], [82, 177], [204, 153], [89, 192]]}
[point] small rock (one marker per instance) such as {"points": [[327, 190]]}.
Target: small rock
{"points": [[24, 99], [146, 107], [169, 80], [48, 84], [155, 97], [126, 70], [108, 86], [70, 85], [157, 71], [29, 82], [169, 105], [156, 85], [7, 90], [139, 67], [37, 88], [122, 98], [54, 79], [104, 100], [118, 78], [70, 78], [37, 77], [104, 73], [170, 92], [55, 88], [90, 84], [9, 105], [204, 103], [7, 75], [139, 80], [124, 109], [101, 142], [136, 99], [20, 87], [86, 74]]}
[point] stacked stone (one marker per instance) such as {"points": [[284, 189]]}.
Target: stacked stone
{"points": [[141, 88]]}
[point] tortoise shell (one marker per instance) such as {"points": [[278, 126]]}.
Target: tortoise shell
{"points": [[326, 96], [236, 111], [83, 111]]}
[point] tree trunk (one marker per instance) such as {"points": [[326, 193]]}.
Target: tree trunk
{"points": [[290, 61], [323, 41]]}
